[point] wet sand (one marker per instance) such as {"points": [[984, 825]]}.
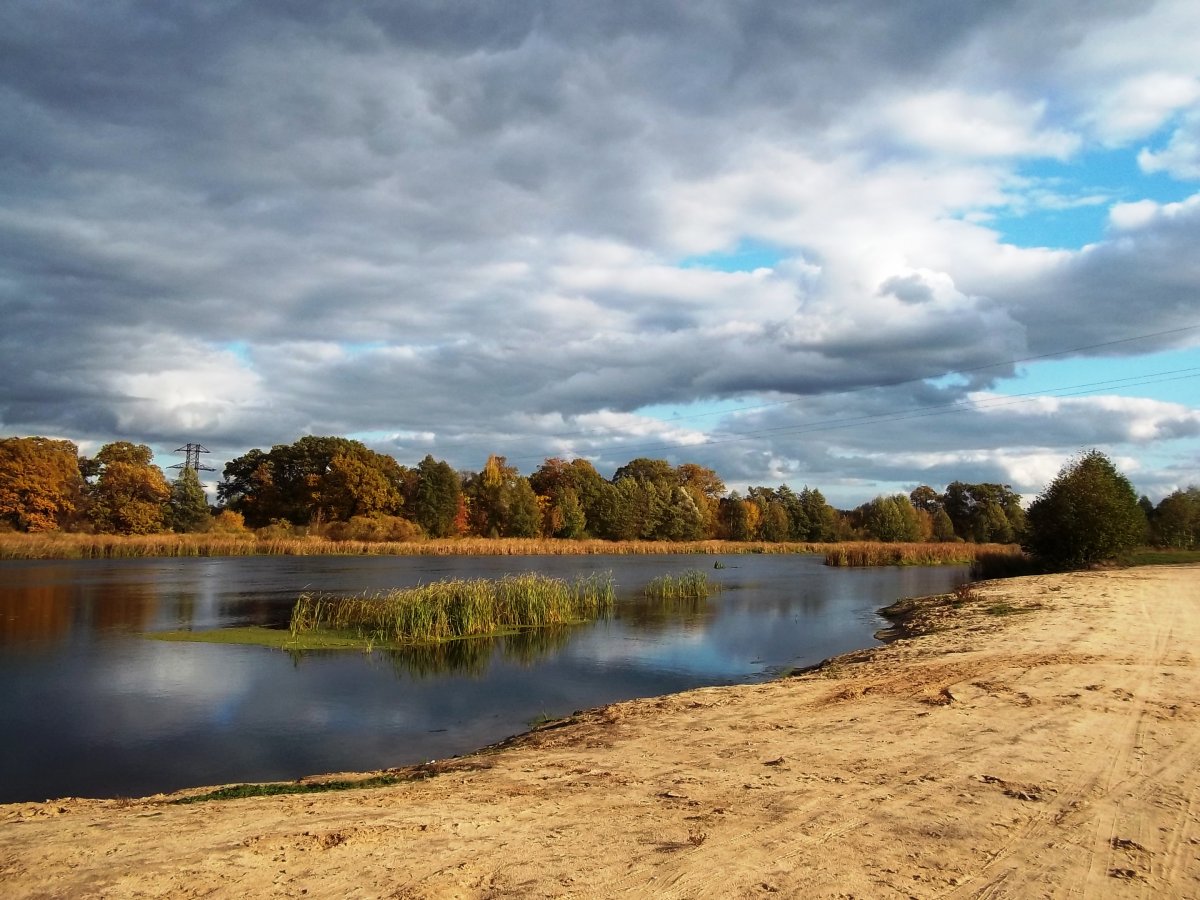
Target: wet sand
{"points": [[1042, 739]]}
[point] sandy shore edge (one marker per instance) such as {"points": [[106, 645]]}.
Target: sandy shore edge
{"points": [[1039, 737]]}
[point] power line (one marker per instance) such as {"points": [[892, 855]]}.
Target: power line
{"points": [[954, 406], [901, 382]]}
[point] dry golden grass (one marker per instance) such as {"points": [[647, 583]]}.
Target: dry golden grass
{"points": [[870, 553], [14, 545]]}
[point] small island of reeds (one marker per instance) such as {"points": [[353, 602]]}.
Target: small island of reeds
{"points": [[690, 585], [455, 608]]}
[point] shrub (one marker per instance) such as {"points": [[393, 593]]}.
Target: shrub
{"points": [[375, 529]]}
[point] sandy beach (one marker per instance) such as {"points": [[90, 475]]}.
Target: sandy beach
{"points": [[1038, 740]]}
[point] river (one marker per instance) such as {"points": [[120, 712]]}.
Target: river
{"points": [[89, 706]]}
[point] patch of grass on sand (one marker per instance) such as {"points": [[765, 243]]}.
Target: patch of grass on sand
{"points": [[240, 791], [385, 779], [1151, 557], [1004, 608]]}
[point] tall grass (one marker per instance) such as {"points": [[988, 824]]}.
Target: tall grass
{"points": [[1008, 564], [867, 553], [15, 545], [444, 610], [113, 546], [686, 585]]}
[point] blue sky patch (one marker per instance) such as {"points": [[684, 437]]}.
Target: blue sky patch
{"points": [[1172, 376], [747, 256], [1068, 202]]}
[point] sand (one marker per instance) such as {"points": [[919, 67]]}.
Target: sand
{"points": [[1042, 741]]}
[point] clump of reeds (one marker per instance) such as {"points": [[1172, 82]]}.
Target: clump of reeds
{"points": [[444, 610], [867, 553], [692, 584], [990, 564]]}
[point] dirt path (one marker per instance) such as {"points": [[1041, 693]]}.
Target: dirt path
{"points": [[1043, 742]]}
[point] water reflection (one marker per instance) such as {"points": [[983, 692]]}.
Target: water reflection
{"points": [[54, 611], [472, 656], [469, 656], [43, 615], [126, 607], [88, 707], [656, 615]]}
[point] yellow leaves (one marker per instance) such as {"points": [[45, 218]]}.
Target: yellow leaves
{"points": [[130, 498], [39, 482]]}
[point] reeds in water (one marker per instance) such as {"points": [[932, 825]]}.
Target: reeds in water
{"points": [[58, 545], [867, 553], [691, 584], [444, 610]]}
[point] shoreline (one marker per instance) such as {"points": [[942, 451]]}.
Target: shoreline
{"points": [[63, 546], [1038, 738]]}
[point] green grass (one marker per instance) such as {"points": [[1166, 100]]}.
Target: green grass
{"points": [[386, 779], [255, 636], [1003, 608], [239, 791], [1148, 556]]}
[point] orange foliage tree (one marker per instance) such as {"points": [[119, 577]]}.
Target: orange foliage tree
{"points": [[130, 496], [40, 484]]}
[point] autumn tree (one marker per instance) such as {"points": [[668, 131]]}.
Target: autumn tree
{"points": [[130, 494], [1088, 513], [188, 505], [502, 502], [40, 482], [359, 482], [315, 479], [572, 491], [706, 490]]}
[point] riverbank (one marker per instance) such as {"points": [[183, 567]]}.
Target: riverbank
{"points": [[1040, 741], [58, 545]]}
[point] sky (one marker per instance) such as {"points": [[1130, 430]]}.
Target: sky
{"points": [[859, 247]]}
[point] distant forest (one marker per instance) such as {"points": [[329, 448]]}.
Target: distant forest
{"points": [[341, 489]]}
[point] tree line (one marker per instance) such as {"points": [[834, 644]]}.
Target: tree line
{"points": [[340, 488]]}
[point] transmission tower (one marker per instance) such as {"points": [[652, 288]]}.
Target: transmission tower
{"points": [[192, 458]]}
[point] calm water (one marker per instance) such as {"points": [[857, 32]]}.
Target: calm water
{"points": [[88, 707]]}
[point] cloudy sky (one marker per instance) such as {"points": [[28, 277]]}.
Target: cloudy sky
{"points": [[860, 246]]}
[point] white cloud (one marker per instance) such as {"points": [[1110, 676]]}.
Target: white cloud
{"points": [[1127, 216], [1181, 156], [957, 123], [1141, 104]]}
